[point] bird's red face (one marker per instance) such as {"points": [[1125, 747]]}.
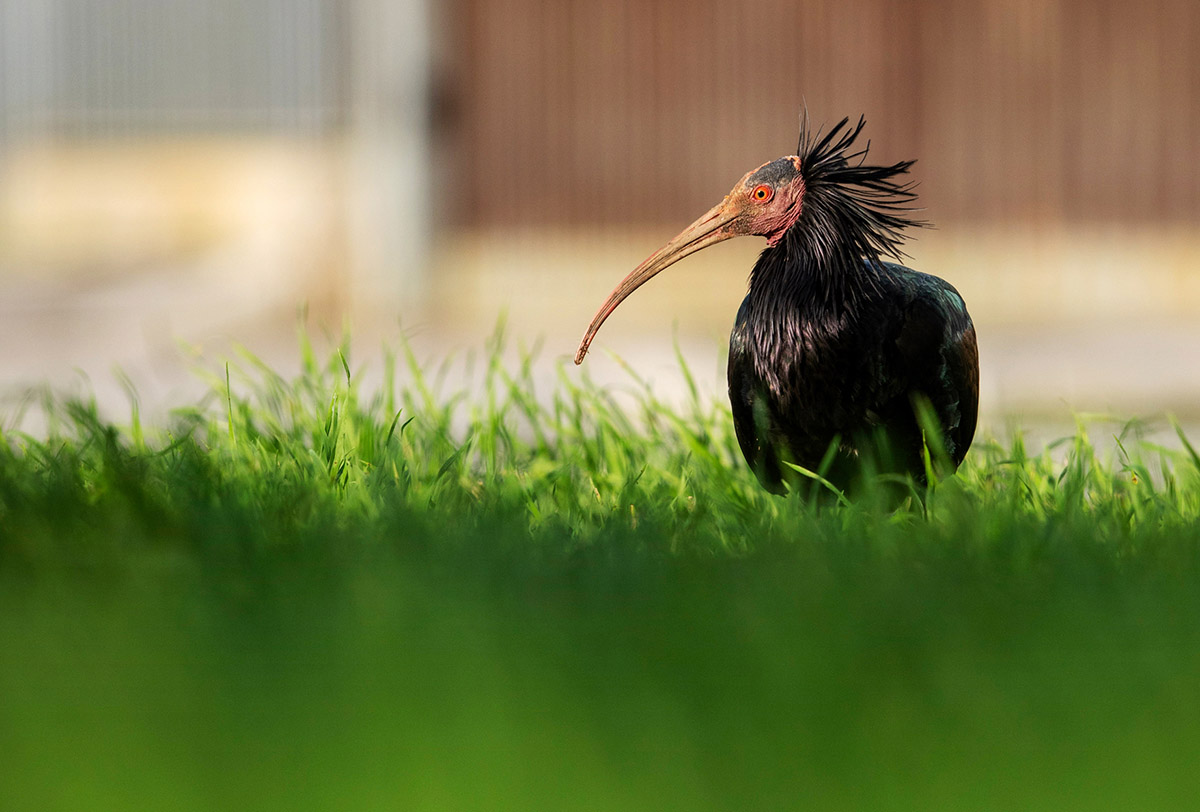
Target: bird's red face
{"points": [[770, 199], [765, 203]]}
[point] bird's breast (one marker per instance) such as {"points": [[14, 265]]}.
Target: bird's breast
{"points": [[817, 368]]}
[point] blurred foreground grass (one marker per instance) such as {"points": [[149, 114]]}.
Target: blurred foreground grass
{"points": [[305, 594]]}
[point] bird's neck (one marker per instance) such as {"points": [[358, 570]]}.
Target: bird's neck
{"points": [[803, 288]]}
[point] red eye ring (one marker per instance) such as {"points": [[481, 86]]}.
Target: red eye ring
{"points": [[762, 193]]}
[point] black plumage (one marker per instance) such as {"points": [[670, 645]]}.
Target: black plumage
{"points": [[832, 343], [835, 353]]}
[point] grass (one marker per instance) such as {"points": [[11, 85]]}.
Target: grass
{"points": [[318, 593]]}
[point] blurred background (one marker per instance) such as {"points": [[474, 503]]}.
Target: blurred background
{"points": [[195, 171]]}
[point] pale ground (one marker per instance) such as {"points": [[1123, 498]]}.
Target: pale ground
{"points": [[1126, 358], [115, 257]]}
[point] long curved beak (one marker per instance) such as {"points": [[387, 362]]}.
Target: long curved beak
{"points": [[708, 230]]}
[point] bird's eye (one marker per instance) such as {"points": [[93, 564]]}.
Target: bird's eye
{"points": [[762, 193]]}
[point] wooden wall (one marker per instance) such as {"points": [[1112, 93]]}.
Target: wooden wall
{"points": [[569, 112]]}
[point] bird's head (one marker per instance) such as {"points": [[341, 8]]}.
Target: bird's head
{"points": [[854, 210], [764, 203]]}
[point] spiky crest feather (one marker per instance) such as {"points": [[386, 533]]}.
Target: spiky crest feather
{"points": [[852, 211]]}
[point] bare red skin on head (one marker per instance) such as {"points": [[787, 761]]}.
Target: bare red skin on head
{"points": [[773, 218], [783, 213]]}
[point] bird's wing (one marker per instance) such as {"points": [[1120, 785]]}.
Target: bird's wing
{"points": [[937, 355]]}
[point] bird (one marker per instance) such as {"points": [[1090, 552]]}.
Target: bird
{"points": [[841, 363]]}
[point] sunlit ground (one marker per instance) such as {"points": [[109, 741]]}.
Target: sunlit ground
{"points": [[1049, 347], [116, 256]]}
